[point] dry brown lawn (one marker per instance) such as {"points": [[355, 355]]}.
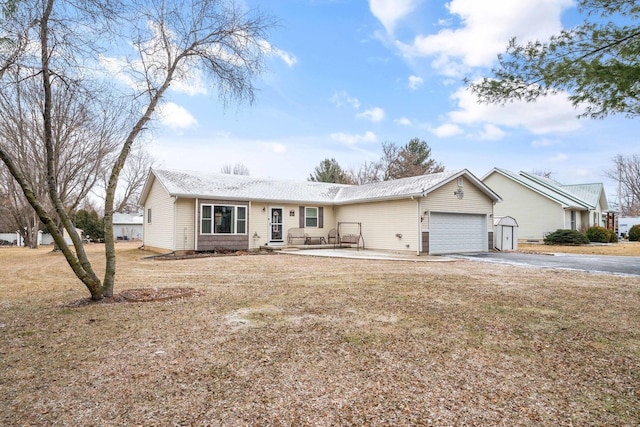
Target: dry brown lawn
{"points": [[288, 340], [618, 249]]}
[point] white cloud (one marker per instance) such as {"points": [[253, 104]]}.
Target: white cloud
{"points": [[486, 27], [446, 130], [553, 113], [492, 133], [389, 12], [559, 157], [175, 116], [403, 121], [275, 147], [286, 57], [375, 114], [543, 142], [341, 98], [415, 82], [190, 83], [354, 139]]}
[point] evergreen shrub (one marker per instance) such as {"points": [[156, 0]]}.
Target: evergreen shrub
{"points": [[566, 237]]}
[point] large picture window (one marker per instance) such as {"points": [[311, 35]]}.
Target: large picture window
{"points": [[223, 219], [311, 217]]}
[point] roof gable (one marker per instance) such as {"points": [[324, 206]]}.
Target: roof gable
{"points": [[579, 196], [592, 194]]}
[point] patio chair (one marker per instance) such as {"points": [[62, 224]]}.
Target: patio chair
{"points": [[333, 236]]}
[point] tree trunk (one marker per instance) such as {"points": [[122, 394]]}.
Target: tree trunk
{"points": [[79, 263], [109, 240]]}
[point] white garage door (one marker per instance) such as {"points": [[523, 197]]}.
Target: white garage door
{"points": [[454, 232]]}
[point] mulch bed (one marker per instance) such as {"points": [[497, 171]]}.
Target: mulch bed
{"points": [[137, 295], [190, 255]]}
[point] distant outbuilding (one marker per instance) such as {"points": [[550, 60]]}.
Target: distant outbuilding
{"points": [[505, 233]]}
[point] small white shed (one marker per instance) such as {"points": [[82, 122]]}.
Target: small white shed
{"points": [[505, 233]]}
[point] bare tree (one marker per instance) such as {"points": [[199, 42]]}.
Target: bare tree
{"points": [[237, 169], [163, 42], [545, 173], [368, 172], [132, 179], [83, 140], [626, 172], [16, 215]]}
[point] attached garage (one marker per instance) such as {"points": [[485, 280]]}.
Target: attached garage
{"points": [[457, 232]]}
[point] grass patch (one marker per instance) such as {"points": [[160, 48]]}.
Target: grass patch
{"points": [[289, 340]]}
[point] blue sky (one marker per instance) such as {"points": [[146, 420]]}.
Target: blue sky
{"points": [[345, 76]]}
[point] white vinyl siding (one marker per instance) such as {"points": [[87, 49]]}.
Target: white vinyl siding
{"points": [[258, 224], [184, 231], [443, 199], [159, 232], [382, 222], [536, 214]]}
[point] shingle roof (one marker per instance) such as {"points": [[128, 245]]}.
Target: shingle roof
{"points": [[239, 187]]}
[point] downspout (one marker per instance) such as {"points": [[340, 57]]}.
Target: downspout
{"points": [[195, 225], [418, 225], [246, 227]]}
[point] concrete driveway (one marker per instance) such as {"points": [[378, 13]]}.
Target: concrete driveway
{"points": [[629, 266]]}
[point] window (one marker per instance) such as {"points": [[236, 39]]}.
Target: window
{"points": [[221, 219], [206, 220], [595, 218], [149, 216], [311, 217], [460, 181], [573, 220], [241, 223]]}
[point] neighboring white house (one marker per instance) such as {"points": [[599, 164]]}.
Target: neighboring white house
{"points": [[44, 238], [127, 226], [11, 238], [438, 213], [625, 223], [542, 205]]}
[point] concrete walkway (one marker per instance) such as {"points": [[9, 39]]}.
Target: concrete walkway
{"points": [[365, 254]]}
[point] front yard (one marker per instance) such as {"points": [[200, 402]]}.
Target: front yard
{"points": [[623, 248], [288, 340]]}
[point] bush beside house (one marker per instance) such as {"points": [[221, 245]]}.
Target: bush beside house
{"points": [[566, 237], [601, 235]]}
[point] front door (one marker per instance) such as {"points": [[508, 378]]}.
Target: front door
{"points": [[276, 225]]}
